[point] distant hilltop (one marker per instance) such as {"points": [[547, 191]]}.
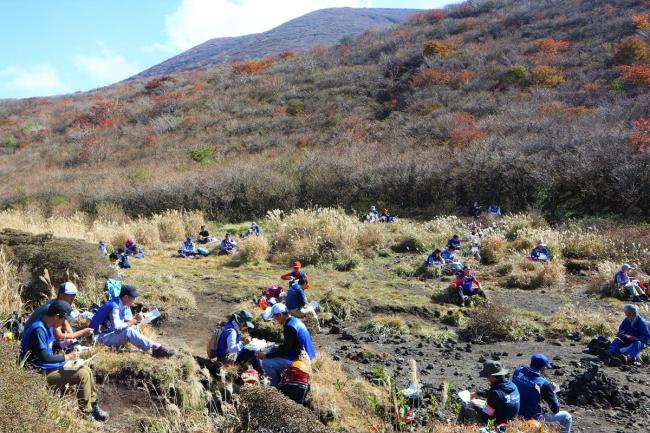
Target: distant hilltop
{"points": [[323, 27]]}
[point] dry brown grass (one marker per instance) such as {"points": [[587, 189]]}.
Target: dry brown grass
{"points": [[10, 299], [253, 249]]}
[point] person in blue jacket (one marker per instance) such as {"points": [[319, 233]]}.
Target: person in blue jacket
{"points": [[434, 258], [540, 253], [502, 404], [297, 306], [226, 344], [37, 351], [622, 279], [450, 260], [494, 210], [114, 329], [534, 388], [228, 245], [632, 336], [256, 229], [296, 340], [455, 242], [188, 248]]}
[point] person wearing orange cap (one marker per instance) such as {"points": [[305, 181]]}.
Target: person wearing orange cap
{"points": [[297, 275]]}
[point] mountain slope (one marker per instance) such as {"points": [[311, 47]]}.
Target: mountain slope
{"points": [[320, 28], [532, 104]]}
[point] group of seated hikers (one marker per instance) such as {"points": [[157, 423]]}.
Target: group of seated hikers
{"points": [[227, 246], [48, 330], [447, 258], [374, 216], [226, 346], [522, 397], [493, 211], [120, 257]]}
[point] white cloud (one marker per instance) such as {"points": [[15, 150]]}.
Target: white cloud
{"points": [[106, 68], [196, 21], [37, 80]]}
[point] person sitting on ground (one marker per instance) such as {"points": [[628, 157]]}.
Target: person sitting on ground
{"points": [[226, 344], [373, 215], [534, 387], [455, 242], [297, 306], [631, 287], [451, 263], [101, 247], [632, 336], [65, 334], [298, 275], [296, 340], [113, 330], [468, 287], [188, 248], [475, 210], [474, 248], [37, 350], [540, 253], [434, 258], [133, 249], [502, 404], [494, 211], [256, 229], [119, 260], [204, 236], [228, 245], [386, 217]]}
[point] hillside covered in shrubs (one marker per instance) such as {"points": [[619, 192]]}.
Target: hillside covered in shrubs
{"points": [[541, 104]]}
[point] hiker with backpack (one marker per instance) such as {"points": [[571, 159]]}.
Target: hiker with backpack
{"points": [[226, 344], [115, 329], [632, 337], [534, 388], [632, 287], [502, 405], [296, 340], [133, 249], [468, 287], [67, 293], [298, 275], [37, 349]]}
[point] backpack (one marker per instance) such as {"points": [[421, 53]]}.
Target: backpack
{"points": [[113, 288]]}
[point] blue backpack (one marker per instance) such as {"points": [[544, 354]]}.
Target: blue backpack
{"points": [[113, 288]]}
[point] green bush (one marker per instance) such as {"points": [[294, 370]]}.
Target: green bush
{"points": [[409, 244], [405, 271], [504, 269], [454, 318], [202, 154], [295, 106], [10, 143], [346, 262], [518, 75]]}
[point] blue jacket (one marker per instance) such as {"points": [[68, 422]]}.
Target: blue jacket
{"points": [[304, 339], [256, 229], [621, 279], [102, 316], [227, 245], [637, 328], [533, 388], [503, 399], [25, 347], [494, 210], [222, 344], [433, 260], [456, 243], [295, 297], [447, 255], [537, 251], [188, 247]]}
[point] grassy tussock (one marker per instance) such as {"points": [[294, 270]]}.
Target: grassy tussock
{"points": [[602, 281], [10, 299], [385, 325], [530, 276], [496, 321], [588, 323], [253, 249]]}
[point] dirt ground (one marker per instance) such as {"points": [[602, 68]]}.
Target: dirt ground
{"points": [[218, 290]]}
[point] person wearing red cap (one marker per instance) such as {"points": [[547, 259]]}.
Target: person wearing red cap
{"points": [[298, 275]]}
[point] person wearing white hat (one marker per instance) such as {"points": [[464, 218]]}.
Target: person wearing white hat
{"points": [[67, 292], [631, 287], [296, 340]]}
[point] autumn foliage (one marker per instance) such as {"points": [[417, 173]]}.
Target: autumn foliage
{"points": [[431, 16], [640, 138], [464, 136], [631, 50], [641, 21], [442, 76], [438, 48], [549, 76], [551, 46], [253, 66], [638, 74]]}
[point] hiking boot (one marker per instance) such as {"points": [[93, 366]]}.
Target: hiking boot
{"points": [[98, 413], [624, 359], [163, 352]]}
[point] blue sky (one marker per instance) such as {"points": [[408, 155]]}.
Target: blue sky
{"points": [[51, 47]]}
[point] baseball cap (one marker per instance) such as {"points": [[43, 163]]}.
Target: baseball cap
{"points": [[626, 266], [278, 309], [59, 308], [540, 360], [68, 288], [492, 368], [129, 290]]}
